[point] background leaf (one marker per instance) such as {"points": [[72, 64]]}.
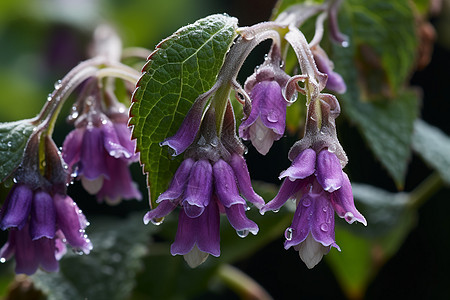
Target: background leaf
{"points": [[13, 139], [384, 116], [433, 146], [184, 66]]}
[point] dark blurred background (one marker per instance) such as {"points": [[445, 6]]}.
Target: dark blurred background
{"points": [[40, 41]]}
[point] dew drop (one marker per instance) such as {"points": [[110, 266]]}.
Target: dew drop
{"points": [[349, 217], [276, 210], [332, 148], [64, 241], [345, 44], [288, 233], [324, 227], [78, 251], [242, 233], [249, 36], [306, 202], [2, 260], [87, 224], [49, 97], [58, 84], [9, 144], [272, 117], [324, 209], [156, 222], [104, 121], [282, 64], [15, 180]]}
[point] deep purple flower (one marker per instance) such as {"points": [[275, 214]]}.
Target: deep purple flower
{"points": [[320, 188], [40, 229], [100, 150], [203, 189], [267, 119]]}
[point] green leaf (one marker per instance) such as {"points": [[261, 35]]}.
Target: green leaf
{"points": [[109, 271], [387, 28], [386, 123], [13, 140], [181, 68], [433, 146]]}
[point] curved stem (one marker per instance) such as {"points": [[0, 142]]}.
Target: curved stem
{"points": [[137, 52], [425, 190], [242, 284], [122, 73]]}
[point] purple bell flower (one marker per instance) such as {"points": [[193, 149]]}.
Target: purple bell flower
{"points": [[320, 188], [40, 229], [203, 190], [100, 150], [267, 119]]}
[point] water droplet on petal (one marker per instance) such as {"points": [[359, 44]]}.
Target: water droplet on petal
{"points": [[58, 84], [324, 209], [349, 217], [324, 227], [272, 117], [248, 36], [156, 222], [2, 260], [242, 233], [288, 233], [306, 202], [276, 210]]}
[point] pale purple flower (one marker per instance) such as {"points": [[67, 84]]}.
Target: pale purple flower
{"points": [[40, 224], [320, 188], [335, 82], [99, 152], [267, 120], [204, 189]]}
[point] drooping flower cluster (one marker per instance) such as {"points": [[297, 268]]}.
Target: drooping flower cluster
{"points": [[41, 218], [100, 150], [207, 183]]}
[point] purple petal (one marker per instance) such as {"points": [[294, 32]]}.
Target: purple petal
{"points": [[302, 166], [27, 260], [322, 221], [199, 188], [112, 143], [17, 207], [208, 237], [335, 81], [272, 106], [45, 249], [225, 184], [185, 237], [179, 181], [329, 171], [287, 190], [188, 129], [120, 184], [162, 210], [72, 146], [237, 218], [343, 204], [300, 227], [92, 159], [240, 169], [43, 218], [254, 114], [72, 222], [124, 135]]}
